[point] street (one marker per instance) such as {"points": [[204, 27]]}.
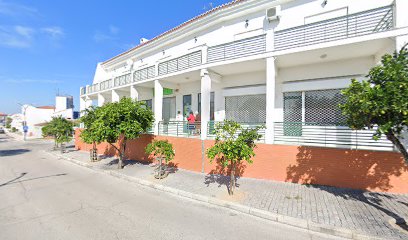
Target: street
{"points": [[44, 198]]}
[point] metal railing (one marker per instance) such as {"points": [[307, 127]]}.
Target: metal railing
{"points": [[236, 49], [83, 90], [179, 129], [352, 25], [122, 80], [211, 128], [143, 74], [181, 63], [93, 88], [328, 135], [105, 85]]}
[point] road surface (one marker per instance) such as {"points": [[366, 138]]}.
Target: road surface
{"points": [[44, 198]]}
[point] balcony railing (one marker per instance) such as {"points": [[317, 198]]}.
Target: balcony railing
{"points": [[122, 80], [352, 25], [313, 134], [83, 90], [211, 129], [241, 48], [181, 63], [105, 85], [93, 88], [179, 129], [143, 74]]}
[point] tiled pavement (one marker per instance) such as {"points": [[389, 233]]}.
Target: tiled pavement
{"points": [[362, 212]]}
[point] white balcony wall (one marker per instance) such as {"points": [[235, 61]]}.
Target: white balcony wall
{"points": [[297, 13]]}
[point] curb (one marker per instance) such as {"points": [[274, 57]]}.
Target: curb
{"points": [[295, 222]]}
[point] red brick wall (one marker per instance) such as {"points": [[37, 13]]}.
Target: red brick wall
{"points": [[358, 169]]}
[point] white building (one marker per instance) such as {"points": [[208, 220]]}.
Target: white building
{"points": [[281, 63], [36, 117]]}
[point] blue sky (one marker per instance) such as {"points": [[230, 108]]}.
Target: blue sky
{"points": [[53, 46]]}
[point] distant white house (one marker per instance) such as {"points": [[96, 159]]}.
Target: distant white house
{"points": [[36, 117]]}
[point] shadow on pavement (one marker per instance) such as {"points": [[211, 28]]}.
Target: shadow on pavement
{"points": [[29, 179], [12, 152]]}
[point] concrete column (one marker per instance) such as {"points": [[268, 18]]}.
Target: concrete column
{"points": [[115, 96], [205, 101], [134, 94], [401, 21], [204, 54], [270, 99], [82, 105], [101, 100], [158, 105]]}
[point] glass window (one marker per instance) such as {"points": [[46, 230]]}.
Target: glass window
{"points": [[212, 97], [186, 105]]}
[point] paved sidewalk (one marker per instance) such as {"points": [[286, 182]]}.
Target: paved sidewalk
{"points": [[345, 212]]}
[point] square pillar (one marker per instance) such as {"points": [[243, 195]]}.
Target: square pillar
{"points": [[401, 21], [134, 94], [82, 105], [115, 96], [270, 99], [101, 100], [158, 105], [205, 102]]}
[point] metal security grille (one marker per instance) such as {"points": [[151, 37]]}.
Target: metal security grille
{"points": [[246, 109], [322, 107], [143, 74], [181, 63], [241, 48], [292, 109], [122, 80]]}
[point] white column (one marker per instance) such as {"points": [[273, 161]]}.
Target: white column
{"points": [[270, 99], [101, 100], [401, 21], [205, 101], [134, 94], [158, 105], [115, 96], [82, 105]]}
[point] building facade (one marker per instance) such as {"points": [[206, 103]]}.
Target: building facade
{"points": [[279, 63]]}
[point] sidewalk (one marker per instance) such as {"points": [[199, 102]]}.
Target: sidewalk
{"points": [[342, 212]]}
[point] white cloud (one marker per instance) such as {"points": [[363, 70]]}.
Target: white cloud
{"points": [[53, 32], [106, 36], [16, 36], [15, 9], [113, 30]]}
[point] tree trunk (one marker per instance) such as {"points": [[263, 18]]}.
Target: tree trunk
{"points": [[232, 181], [397, 143]]}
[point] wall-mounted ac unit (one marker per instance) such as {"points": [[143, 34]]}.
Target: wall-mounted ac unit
{"points": [[272, 14]]}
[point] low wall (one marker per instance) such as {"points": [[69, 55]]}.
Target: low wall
{"points": [[357, 169]]}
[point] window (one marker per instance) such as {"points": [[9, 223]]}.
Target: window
{"points": [[186, 105], [149, 104], [317, 107], [246, 109], [211, 105]]}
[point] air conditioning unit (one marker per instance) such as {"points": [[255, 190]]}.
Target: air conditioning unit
{"points": [[272, 14]]}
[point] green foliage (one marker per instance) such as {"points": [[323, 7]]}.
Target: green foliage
{"points": [[161, 148], [13, 129], [8, 122], [233, 143], [126, 119], [59, 128], [382, 99]]}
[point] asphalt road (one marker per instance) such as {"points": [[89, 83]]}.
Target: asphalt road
{"points": [[43, 198]]}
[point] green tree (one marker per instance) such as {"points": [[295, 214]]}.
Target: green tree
{"points": [[89, 134], [381, 100], [60, 129], [8, 122], [233, 144], [162, 149], [119, 122]]}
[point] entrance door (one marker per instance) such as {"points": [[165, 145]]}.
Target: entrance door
{"points": [[169, 108]]}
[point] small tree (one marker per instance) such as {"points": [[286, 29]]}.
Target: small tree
{"points": [[382, 100], [89, 134], [60, 129], [119, 122], [161, 149], [8, 122], [233, 144]]}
